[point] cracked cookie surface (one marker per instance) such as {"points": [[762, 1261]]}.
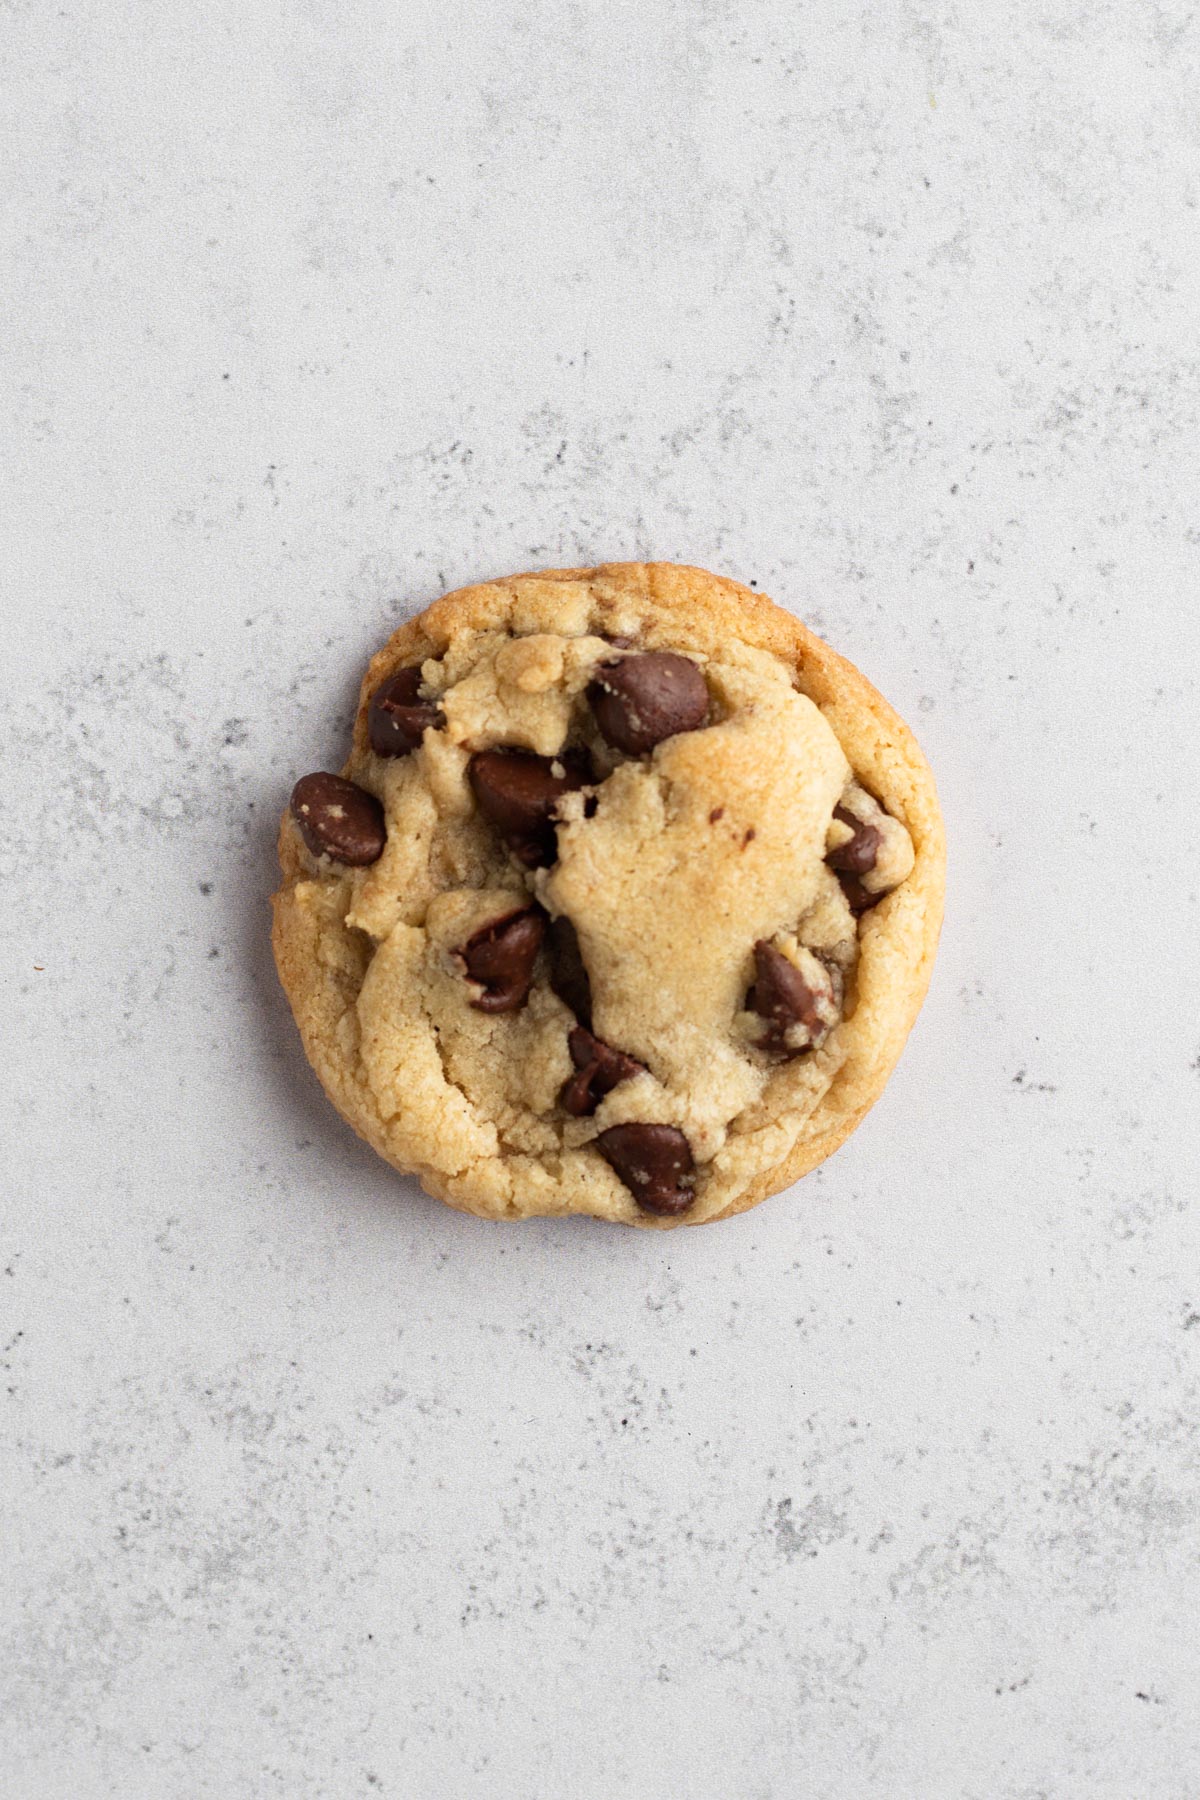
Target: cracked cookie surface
{"points": [[623, 904]]}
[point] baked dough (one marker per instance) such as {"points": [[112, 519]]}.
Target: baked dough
{"points": [[755, 895]]}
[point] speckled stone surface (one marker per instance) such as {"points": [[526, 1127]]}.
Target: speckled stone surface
{"points": [[312, 1488]]}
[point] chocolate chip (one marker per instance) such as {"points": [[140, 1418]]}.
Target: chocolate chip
{"points": [[338, 819], [518, 792], [397, 717], [858, 898], [501, 958], [568, 971], [655, 1163], [599, 1068], [783, 998], [857, 855], [640, 700]]}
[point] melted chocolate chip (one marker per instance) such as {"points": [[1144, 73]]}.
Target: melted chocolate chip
{"points": [[338, 819], [857, 855], [858, 898], [518, 793], [397, 717], [640, 700], [783, 998], [655, 1163], [501, 958], [568, 971], [598, 1070]]}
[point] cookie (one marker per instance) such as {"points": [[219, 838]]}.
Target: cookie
{"points": [[624, 903]]}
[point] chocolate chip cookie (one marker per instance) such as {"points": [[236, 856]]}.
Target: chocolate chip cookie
{"points": [[624, 903]]}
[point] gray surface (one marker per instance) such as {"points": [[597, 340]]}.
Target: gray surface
{"points": [[315, 1488]]}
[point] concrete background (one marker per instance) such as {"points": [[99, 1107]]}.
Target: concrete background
{"points": [[313, 1488]]}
